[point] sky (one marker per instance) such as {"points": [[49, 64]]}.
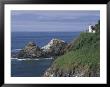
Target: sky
{"points": [[53, 20]]}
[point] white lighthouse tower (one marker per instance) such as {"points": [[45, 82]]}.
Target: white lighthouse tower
{"points": [[90, 28]]}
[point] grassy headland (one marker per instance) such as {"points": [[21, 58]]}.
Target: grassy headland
{"points": [[82, 59]]}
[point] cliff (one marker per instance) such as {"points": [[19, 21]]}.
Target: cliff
{"points": [[81, 58]]}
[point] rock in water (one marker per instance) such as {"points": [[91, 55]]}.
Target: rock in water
{"points": [[54, 47], [31, 50]]}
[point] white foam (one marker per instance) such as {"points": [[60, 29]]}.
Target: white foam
{"points": [[14, 50], [14, 58], [48, 58], [29, 59], [23, 59]]}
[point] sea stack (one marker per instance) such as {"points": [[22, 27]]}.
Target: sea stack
{"points": [[54, 47], [31, 50]]}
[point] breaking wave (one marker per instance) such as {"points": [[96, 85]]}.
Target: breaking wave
{"points": [[29, 59]]}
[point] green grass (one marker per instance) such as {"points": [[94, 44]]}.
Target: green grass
{"points": [[84, 54]]}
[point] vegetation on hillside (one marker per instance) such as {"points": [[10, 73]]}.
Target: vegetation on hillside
{"points": [[83, 57]]}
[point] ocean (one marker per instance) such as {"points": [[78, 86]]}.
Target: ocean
{"points": [[34, 68]]}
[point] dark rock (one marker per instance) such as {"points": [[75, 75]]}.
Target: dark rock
{"points": [[53, 49], [31, 50], [76, 72]]}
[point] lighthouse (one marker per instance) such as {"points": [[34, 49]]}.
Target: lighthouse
{"points": [[90, 28]]}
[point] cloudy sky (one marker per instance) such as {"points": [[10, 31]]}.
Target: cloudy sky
{"points": [[58, 21]]}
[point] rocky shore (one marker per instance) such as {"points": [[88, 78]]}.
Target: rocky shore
{"points": [[76, 72]]}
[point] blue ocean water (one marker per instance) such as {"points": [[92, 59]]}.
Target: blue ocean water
{"points": [[20, 39], [34, 68]]}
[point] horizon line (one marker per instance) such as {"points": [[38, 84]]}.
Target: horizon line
{"points": [[47, 31]]}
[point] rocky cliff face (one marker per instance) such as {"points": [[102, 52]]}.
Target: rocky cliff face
{"points": [[82, 60], [76, 72], [54, 48]]}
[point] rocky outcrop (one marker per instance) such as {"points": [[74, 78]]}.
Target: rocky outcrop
{"points": [[76, 72], [54, 48], [31, 50]]}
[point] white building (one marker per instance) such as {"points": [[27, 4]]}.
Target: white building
{"points": [[91, 30]]}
